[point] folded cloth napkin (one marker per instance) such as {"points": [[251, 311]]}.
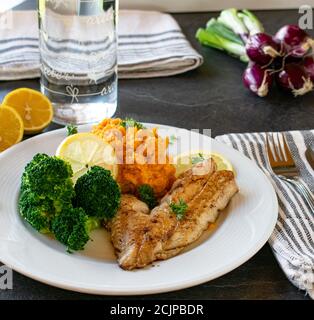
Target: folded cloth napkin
{"points": [[151, 44], [293, 238]]}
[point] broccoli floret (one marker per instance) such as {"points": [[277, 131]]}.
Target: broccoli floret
{"points": [[46, 190], [30, 166], [36, 211], [72, 228], [147, 195], [46, 175], [62, 195], [98, 193]]}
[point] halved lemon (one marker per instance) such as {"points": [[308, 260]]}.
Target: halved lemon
{"points": [[184, 162], [85, 150], [11, 127], [34, 108]]}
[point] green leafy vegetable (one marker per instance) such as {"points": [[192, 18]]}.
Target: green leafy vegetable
{"points": [[210, 38], [36, 211], [230, 32], [230, 19], [147, 195], [98, 193], [71, 129], [179, 209], [72, 228], [131, 123], [45, 202], [221, 30], [46, 189]]}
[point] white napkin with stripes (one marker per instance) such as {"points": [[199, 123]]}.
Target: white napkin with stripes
{"points": [[151, 44], [293, 238]]}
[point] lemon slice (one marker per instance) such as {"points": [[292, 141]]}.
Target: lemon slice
{"points": [[184, 162], [85, 150], [34, 108], [11, 127]]}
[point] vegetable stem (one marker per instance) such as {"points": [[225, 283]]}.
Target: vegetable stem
{"points": [[251, 22], [230, 19], [214, 40], [213, 26]]}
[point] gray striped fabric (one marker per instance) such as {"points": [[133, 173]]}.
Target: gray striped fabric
{"points": [[293, 238], [151, 44]]}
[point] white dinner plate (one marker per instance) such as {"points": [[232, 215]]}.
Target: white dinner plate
{"points": [[242, 229]]}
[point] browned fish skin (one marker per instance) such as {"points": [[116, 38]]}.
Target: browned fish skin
{"points": [[141, 238], [203, 209], [127, 229]]}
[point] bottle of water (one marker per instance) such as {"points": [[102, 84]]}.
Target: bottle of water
{"points": [[78, 47]]}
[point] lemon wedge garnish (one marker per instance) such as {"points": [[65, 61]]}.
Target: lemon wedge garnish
{"points": [[85, 150], [184, 162]]}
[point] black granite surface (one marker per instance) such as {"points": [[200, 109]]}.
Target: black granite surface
{"points": [[210, 97]]}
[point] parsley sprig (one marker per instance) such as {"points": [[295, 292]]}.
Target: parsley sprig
{"points": [[147, 195], [71, 129], [179, 209], [199, 158], [131, 123]]}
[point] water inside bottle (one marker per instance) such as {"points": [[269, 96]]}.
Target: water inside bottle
{"points": [[79, 59]]}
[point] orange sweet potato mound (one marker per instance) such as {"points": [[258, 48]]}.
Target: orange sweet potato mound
{"points": [[142, 156]]}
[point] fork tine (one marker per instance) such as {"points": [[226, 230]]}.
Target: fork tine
{"points": [[287, 150], [269, 150], [274, 147], [279, 147]]}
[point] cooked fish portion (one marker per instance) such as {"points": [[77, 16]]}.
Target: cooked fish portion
{"points": [[128, 227], [141, 238], [136, 235], [203, 209]]}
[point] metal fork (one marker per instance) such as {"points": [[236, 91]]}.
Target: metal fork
{"points": [[283, 165]]}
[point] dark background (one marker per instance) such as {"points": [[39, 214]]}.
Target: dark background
{"points": [[209, 97]]}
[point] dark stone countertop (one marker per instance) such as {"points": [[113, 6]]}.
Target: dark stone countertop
{"points": [[210, 97]]}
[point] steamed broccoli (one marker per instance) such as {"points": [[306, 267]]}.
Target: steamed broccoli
{"points": [[72, 228], [98, 193], [30, 166], [46, 190], [36, 211], [47, 196], [147, 195], [48, 176]]}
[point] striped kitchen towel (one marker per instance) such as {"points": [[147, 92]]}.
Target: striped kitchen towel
{"points": [[151, 44], [293, 238]]}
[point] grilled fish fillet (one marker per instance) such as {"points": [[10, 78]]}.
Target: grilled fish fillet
{"points": [[140, 237]]}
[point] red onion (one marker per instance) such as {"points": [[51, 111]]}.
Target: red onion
{"points": [[262, 49], [308, 65], [296, 40], [294, 79], [257, 79]]}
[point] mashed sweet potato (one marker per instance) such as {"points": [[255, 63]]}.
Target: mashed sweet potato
{"points": [[142, 155]]}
